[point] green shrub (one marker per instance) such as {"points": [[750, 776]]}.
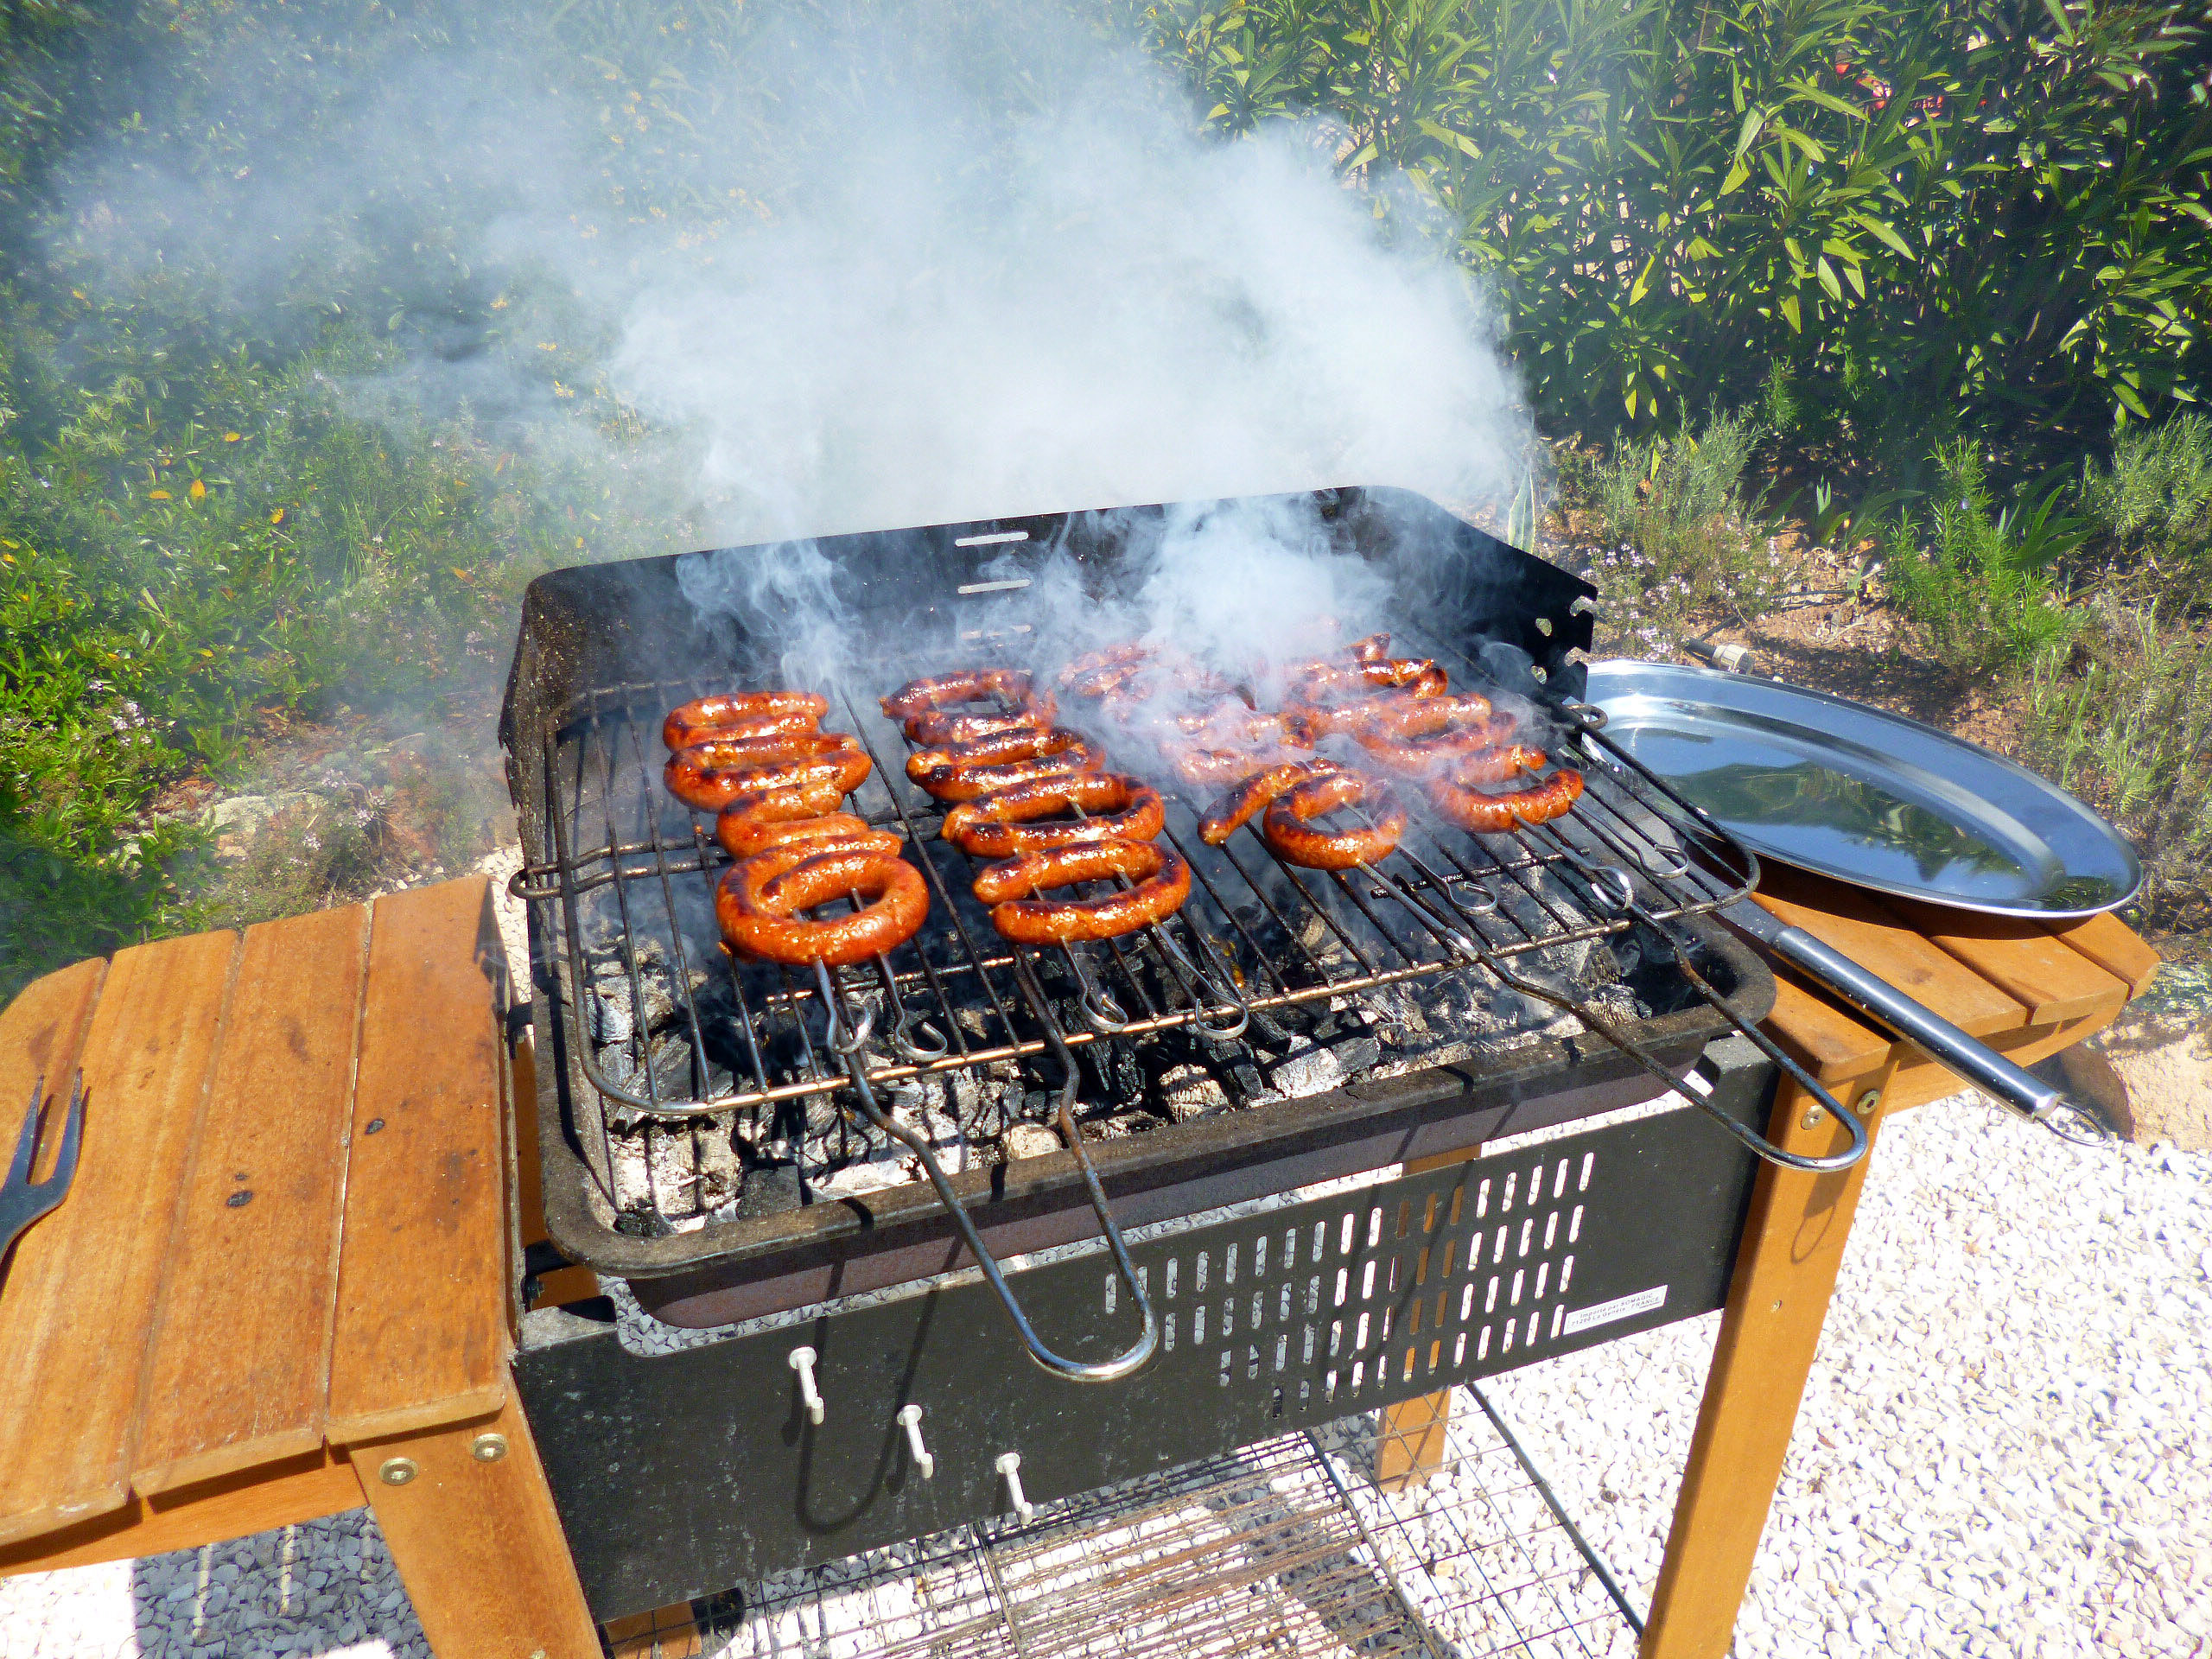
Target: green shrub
{"points": [[1975, 582], [1679, 540], [2155, 500], [2124, 716], [1977, 213]]}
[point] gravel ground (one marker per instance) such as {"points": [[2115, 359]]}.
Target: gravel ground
{"points": [[2005, 1448]]}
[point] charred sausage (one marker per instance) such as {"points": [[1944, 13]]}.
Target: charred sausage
{"points": [[741, 714], [1059, 752], [710, 776], [1255, 794], [1002, 825], [1491, 815], [756, 826], [1286, 825], [1162, 883], [758, 903]]}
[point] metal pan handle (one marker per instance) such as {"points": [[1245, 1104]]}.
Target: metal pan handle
{"points": [[1923, 1028], [1111, 1370]]}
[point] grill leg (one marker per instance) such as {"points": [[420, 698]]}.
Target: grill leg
{"points": [[477, 1542], [1785, 1273]]}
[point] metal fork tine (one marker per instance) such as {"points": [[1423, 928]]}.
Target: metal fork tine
{"points": [[19, 1171], [65, 1161]]}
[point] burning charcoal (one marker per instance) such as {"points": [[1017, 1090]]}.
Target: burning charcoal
{"points": [[1308, 1071], [1356, 1052], [1188, 1091], [1250, 1085], [769, 1189], [642, 1222], [1029, 1141], [608, 1011]]}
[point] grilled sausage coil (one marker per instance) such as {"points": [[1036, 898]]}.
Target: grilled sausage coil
{"points": [[1162, 883], [1491, 815], [1439, 751], [788, 817], [758, 901], [938, 726], [970, 685], [1287, 824], [741, 714], [712, 775], [1058, 752], [1255, 794], [1003, 823]]}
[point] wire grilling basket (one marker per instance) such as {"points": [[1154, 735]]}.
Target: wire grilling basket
{"points": [[634, 873]]}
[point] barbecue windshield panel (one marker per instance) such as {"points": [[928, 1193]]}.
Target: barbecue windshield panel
{"points": [[702, 1094]]}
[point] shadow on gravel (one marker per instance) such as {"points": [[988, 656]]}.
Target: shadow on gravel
{"points": [[319, 1588]]}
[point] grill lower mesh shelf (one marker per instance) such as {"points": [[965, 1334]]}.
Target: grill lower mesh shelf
{"points": [[1288, 1548]]}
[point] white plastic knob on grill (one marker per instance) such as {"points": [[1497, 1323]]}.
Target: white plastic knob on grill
{"points": [[1009, 1464], [910, 1419], [802, 1360]]}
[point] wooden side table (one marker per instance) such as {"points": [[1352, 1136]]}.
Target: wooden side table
{"points": [[280, 1286], [283, 1283], [2023, 988]]}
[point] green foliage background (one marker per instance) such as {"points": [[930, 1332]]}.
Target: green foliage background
{"points": [[1881, 225]]}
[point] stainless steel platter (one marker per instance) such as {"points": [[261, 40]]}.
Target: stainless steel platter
{"points": [[1866, 796]]}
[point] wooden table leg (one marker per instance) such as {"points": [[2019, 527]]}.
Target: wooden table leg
{"points": [[1410, 1444], [472, 1529], [1785, 1273], [665, 1633]]}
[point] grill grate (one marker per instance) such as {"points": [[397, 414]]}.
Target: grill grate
{"points": [[1288, 1547], [631, 874]]}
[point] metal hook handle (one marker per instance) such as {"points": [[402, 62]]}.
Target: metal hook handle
{"points": [[1112, 1370]]}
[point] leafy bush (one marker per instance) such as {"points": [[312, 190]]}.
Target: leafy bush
{"points": [[1976, 583], [1972, 216], [2127, 719], [2155, 500], [1672, 512]]}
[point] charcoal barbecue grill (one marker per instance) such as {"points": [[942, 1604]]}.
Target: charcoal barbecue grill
{"points": [[698, 1122]]}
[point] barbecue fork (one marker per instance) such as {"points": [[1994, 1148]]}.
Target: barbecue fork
{"points": [[23, 1200]]}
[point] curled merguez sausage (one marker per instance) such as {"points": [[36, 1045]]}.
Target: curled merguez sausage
{"points": [[758, 903], [1162, 879], [1023, 745], [710, 776], [1058, 752], [1490, 765], [1491, 815], [1285, 825], [1231, 725], [1409, 716], [1421, 757], [1003, 823], [1082, 674], [1417, 675], [971, 686], [788, 816], [938, 727], [1219, 768], [1256, 792], [741, 714]]}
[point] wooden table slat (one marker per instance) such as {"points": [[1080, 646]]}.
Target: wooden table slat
{"points": [[421, 1332], [1857, 924], [2114, 947], [84, 1284], [40, 1034], [2053, 981], [241, 1362], [1820, 1034]]}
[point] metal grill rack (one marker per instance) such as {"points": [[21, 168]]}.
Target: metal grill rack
{"points": [[631, 874], [1288, 1548]]}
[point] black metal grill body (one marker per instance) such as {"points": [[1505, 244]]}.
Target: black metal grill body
{"points": [[679, 1475], [605, 650]]}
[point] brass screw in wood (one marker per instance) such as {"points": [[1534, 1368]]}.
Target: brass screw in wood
{"points": [[396, 1471], [1865, 1103], [1812, 1118], [488, 1448]]}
